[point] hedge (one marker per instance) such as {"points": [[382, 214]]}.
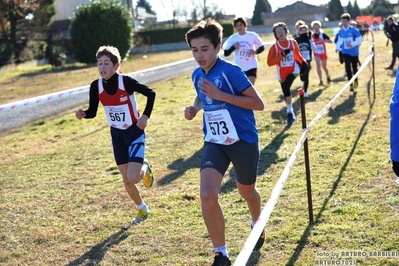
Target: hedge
{"points": [[161, 36]]}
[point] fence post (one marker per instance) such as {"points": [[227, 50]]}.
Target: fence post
{"points": [[373, 66], [306, 153]]}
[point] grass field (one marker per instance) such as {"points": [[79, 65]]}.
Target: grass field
{"points": [[62, 199]]}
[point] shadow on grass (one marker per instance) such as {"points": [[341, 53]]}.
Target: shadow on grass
{"points": [[90, 133], [181, 166], [344, 108], [268, 155], [303, 241], [52, 71], [95, 255], [281, 114]]}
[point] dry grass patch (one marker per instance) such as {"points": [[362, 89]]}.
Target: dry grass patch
{"points": [[63, 201]]}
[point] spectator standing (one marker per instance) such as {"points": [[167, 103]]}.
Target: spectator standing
{"points": [[392, 32]]}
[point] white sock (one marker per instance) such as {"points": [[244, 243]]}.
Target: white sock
{"points": [[223, 250], [289, 108], [253, 223], [144, 168], [142, 206]]}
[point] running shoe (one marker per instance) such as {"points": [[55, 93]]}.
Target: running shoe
{"points": [[328, 80], [351, 88], [355, 84], [321, 83], [141, 216], [148, 178], [306, 95], [290, 118], [221, 260], [260, 241]]}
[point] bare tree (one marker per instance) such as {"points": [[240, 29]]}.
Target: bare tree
{"points": [[204, 10]]}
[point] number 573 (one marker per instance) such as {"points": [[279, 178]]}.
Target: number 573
{"points": [[218, 128]]}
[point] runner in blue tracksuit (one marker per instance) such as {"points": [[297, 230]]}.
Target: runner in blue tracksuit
{"points": [[394, 132], [349, 40]]}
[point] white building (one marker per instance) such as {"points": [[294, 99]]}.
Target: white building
{"points": [[64, 8]]}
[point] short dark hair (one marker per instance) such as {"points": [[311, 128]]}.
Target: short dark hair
{"points": [[209, 29], [346, 16], [240, 19]]}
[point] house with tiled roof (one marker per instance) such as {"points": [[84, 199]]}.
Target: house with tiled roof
{"points": [[290, 14], [65, 8]]}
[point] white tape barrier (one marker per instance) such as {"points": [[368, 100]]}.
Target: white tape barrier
{"points": [[42, 99], [253, 237], [144, 76], [270, 204]]}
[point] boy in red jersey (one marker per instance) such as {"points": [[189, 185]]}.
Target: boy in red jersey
{"points": [[285, 54], [117, 95]]}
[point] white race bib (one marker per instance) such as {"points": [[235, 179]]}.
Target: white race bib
{"points": [[220, 128], [288, 60], [306, 55], [118, 116], [348, 42], [319, 49]]}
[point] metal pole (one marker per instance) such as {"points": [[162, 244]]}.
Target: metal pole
{"points": [[306, 153]]}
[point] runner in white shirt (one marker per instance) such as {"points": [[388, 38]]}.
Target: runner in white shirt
{"points": [[246, 45]]}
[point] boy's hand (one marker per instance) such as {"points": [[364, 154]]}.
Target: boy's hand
{"points": [[142, 122], [209, 89], [190, 112], [80, 114]]}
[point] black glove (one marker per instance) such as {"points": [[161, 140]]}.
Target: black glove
{"points": [[287, 51]]}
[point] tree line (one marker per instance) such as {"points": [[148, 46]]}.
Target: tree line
{"points": [[25, 35]]}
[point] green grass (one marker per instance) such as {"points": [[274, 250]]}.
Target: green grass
{"points": [[62, 199]]}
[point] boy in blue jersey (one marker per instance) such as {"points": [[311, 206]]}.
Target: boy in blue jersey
{"points": [[349, 40], [231, 136], [394, 130]]}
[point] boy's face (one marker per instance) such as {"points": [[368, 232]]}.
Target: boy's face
{"points": [[204, 53], [105, 67], [281, 35], [316, 28], [240, 27], [344, 22], [303, 31]]}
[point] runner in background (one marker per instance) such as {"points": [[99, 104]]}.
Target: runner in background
{"points": [[286, 56], [246, 45], [320, 51]]}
